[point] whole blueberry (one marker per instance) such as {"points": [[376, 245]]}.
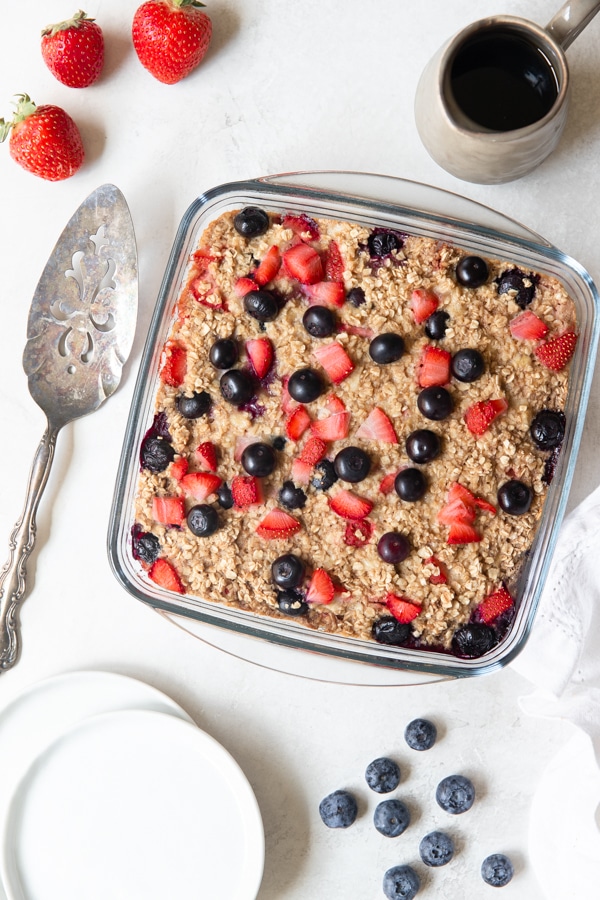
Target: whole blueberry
{"points": [[251, 222], [410, 485], [352, 464], [436, 849], [279, 442], [156, 453], [435, 403], [519, 285], [291, 603], [388, 630], [258, 459], [290, 496], [224, 353], [420, 734], [382, 242], [338, 810], [393, 547], [203, 520], [356, 296], [472, 271], [547, 429], [391, 817], [467, 365], [195, 406], [145, 546], [401, 883], [436, 324], [515, 498], [423, 445], [287, 571], [319, 321], [497, 870], [305, 385], [236, 387], [455, 794], [324, 475], [261, 305], [224, 496], [383, 775], [473, 640], [386, 348]]}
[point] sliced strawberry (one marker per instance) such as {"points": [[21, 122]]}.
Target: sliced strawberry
{"points": [[203, 258], [334, 360], [378, 427], [206, 456], [288, 405], [359, 330], [463, 533], [200, 485], [297, 423], [433, 369], [302, 225], [303, 263], [207, 294], [313, 451], [261, 355], [480, 503], [333, 428], [423, 303], [244, 285], [556, 353], [528, 327], [349, 506], [301, 471], [178, 468], [277, 525], [168, 510], [334, 263], [440, 577], [334, 404], [480, 416], [165, 575], [495, 604], [269, 266], [457, 512], [321, 589], [329, 293], [387, 483], [358, 533], [246, 490], [401, 608], [173, 365], [458, 491]]}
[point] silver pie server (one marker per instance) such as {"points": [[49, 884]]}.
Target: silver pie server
{"points": [[79, 334]]}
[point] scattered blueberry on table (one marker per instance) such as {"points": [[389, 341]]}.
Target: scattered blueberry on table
{"points": [[420, 734], [391, 817], [383, 775], [497, 870], [436, 849], [338, 810], [401, 882], [455, 794]]}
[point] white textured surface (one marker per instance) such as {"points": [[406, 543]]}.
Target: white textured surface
{"points": [[314, 85]]}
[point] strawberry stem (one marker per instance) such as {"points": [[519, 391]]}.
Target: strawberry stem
{"points": [[182, 3], [74, 22], [24, 108]]}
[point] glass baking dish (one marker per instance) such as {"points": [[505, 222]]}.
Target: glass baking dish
{"points": [[376, 201]]}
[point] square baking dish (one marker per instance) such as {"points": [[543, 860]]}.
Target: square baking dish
{"points": [[374, 201]]}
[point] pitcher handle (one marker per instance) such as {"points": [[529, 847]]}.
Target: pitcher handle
{"points": [[570, 20]]}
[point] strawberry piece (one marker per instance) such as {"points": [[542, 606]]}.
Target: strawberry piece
{"points": [[359, 330], [178, 468], [480, 503], [168, 510], [261, 355], [44, 140], [246, 490], [269, 266], [74, 50], [303, 263], [334, 360], [170, 39], [203, 257], [244, 285], [387, 483], [463, 533], [528, 327], [303, 226], [288, 405], [433, 369], [320, 589], [458, 491], [423, 303], [297, 423], [494, 605], [206, 456], [457, 512], [349, 506], [401, 608], [334, 263], [313, 451], [200, 485], [301, 471], [332, 428], [441, 577], [241, 442], [328, 293], [556, 353], [166, 576], [358, 533], [205, 292], [335, 404], [378, 427], [277, 525], [173, 365], [480, 416]]}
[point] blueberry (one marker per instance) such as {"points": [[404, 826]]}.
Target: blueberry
{"points": [[381, 242], [547, 429], [473, 640], [401, 883], [420, 734], [224, 496], [195, 406], [287, 571], [423, 445], [224, 353], [356, 296], [156, 453], [323, 475], [292, 603], [389, 630], [436, 324], [520, 285], [386, 348], [455, 794], [203, 520], [393, 547], [410, 485], [338, 810], [258, 459], [515, 498], [290, 496], [383, 775], [352, 464], [261, 305], [236, 387], [436, 849], [145, 546], [305, 385], [435, 403], [391, 817], [472, 271], [497, 870], [279, 442], [251, 222], [320, 321], [467, 365]]}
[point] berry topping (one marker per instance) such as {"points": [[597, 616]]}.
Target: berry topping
{"points": [[304, 264], [519, 285], [331, 293], [203, 520], [200, 485], [402, 609], [206, 456], [391, 818], [224, 353], [383, 775], [515, 498], [156, 453], [356, 297], [334, 263], [433, 369], [251, 222], [145, 546], [438, 577], [331, 428], [319, 321], [258, 459], [168, 510], [269, 266], [225, 496], [302, 225], [324, 475], [287, 571], [313, 451], [305, 385], [236, 387], [547, 429], [494, 605], [277, 525], [480, 416], [291, 603], [423, 304], [166, 576], [291, 497], [320, 590], [435, 403], [195, 406], [338, 810], [410, 485], [423, 445], [473, 640], [401, 882], [173, 365], [550, 466], [245, 284], [436, 849], [382, 242], [528, 327], [349, 506], [393, 547], [377, 427], [556, 353], [261, 305], [420, 734], [358, 533], [467, 365], [261, 355], [334, 360], [472, 271], [436, 324], [388, 630], [297, 423], [497, 870], [352, 464], [386, 348], [455, 794], [245, 490]]}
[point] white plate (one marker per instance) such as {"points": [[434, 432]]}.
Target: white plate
{"points": [[133, 805]]}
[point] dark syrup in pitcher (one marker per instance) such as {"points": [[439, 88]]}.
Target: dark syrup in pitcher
{"points": [[501, 81]]}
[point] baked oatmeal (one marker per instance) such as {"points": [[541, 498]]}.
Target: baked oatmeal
{"points": [[355, 427]]}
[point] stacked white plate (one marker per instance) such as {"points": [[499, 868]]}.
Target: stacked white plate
{"points": [[109, 789]]}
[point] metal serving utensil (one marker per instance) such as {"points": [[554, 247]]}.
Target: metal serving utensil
{"points": [[79, 334]]}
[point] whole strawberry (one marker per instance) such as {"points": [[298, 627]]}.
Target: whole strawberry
{"points": [[74, 50], [43, 139], [171, 37]]}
